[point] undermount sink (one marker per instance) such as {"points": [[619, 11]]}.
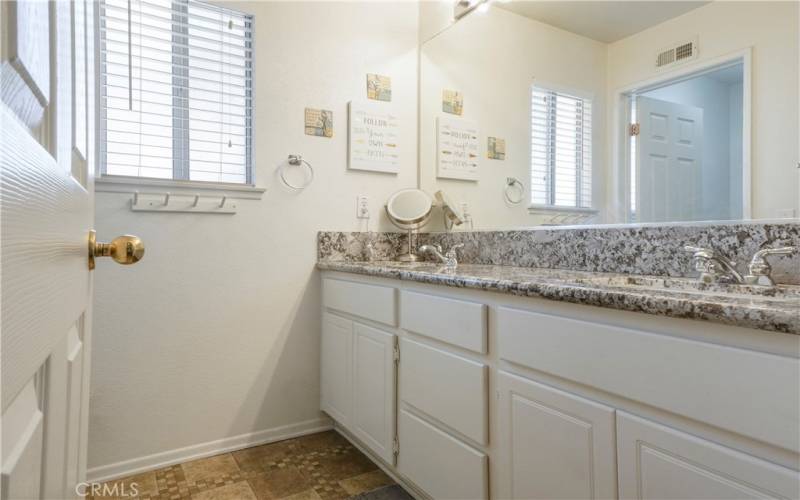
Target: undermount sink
{"points": [[690, 285]]}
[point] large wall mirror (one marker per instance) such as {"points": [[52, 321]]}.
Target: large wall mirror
{"points": [[598, 112]]}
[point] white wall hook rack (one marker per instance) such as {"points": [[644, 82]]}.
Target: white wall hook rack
{"points": [[195, 203]]}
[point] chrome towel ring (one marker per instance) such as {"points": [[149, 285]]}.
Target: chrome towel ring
{"points": [[296, 161], [514, 191]]}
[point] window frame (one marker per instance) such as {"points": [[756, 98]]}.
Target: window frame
{"points": [[550, 206], [105, 182]]}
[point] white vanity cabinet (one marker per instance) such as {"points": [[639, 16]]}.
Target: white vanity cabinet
{"points": [[471, 394], [358, 372]]}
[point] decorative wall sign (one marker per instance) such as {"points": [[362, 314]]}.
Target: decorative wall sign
{"points": [[457, 149], [373, 137], [452, 102], [319, 122], [379, 87], [496, 149]]}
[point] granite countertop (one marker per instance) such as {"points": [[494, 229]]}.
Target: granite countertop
{"points": [[776, 310]]}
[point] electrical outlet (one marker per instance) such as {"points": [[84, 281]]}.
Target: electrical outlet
{"points": [[465, 208], [785, 213], [362, 207]]}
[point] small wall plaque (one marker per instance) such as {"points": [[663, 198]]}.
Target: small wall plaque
{"points": [[373, 137], [319, 122], [379, 87], [452, 102], [496, 148], [457, 149]]}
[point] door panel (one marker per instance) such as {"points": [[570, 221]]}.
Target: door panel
{"points": [[46, 206], [657, 462], [22, 445], [373, 389], [553, 444], [336, 367]]}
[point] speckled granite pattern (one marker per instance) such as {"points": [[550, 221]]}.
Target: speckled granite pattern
{"points": [[648, 250], [776, 310]]}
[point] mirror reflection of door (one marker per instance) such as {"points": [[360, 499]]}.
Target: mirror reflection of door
{"points": [[688, 151]]}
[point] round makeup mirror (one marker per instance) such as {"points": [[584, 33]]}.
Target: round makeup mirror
{"points": [[409, 209]]}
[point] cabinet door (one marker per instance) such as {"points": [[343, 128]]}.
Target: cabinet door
{"points": [[656, 461], [553, 444], [374, 389], [336, 367]]}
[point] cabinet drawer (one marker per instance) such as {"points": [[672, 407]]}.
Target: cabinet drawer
{"points": [[367, 301], [747, 392], [456, 322], [438, 463], [656, 461], [449, 388]]}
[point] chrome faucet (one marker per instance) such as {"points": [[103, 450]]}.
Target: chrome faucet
{"points": [[713, 266], [758, 271], [449, 258]]}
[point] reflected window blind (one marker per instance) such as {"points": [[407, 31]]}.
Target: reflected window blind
{"points": [[561, 149], [177, 90]]}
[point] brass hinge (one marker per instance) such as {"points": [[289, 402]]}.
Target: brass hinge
{"points": [[396, 447], [396, 350], [634, 129]]}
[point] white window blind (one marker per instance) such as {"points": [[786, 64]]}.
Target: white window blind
{"points": [[177, 90], [561, 149]]}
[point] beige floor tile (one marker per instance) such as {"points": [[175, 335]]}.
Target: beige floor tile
{"points": [[145, 485], [365, 482], [321, 441], [304, 495], [235, 491], [260, 457], [279, 483], [209, 468], [345, 465]]}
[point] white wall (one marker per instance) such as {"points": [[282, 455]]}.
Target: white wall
{"points": [[472, 56], [723, 27], [215, 333]]}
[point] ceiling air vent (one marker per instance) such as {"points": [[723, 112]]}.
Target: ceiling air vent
{"points": [[679, 52]]}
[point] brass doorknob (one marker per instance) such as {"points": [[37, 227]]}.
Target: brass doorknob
{"points": [[126, 249]]}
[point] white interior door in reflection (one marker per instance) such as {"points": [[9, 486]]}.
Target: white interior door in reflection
{"points": [[669, 154]]}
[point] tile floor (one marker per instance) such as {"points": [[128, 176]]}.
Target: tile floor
{"points": [[322, 466]]}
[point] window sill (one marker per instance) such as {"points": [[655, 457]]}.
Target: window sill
{"points": [[127, 185], [550, 209]]}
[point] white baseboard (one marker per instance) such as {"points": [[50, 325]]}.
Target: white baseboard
{"points": [[202, 450]]}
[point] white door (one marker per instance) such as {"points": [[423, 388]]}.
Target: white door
{"points": [[336, 368], [669, 154], [374, 389], [553, 444], [46, 212], [658, 462]]}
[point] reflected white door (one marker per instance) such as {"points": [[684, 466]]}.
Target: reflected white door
{"points": [[46, 160], [669, 151]]}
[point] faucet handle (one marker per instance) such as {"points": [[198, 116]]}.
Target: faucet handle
{"points": [[758, 272], [761, 254], [452, 250], [699, 251]]}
